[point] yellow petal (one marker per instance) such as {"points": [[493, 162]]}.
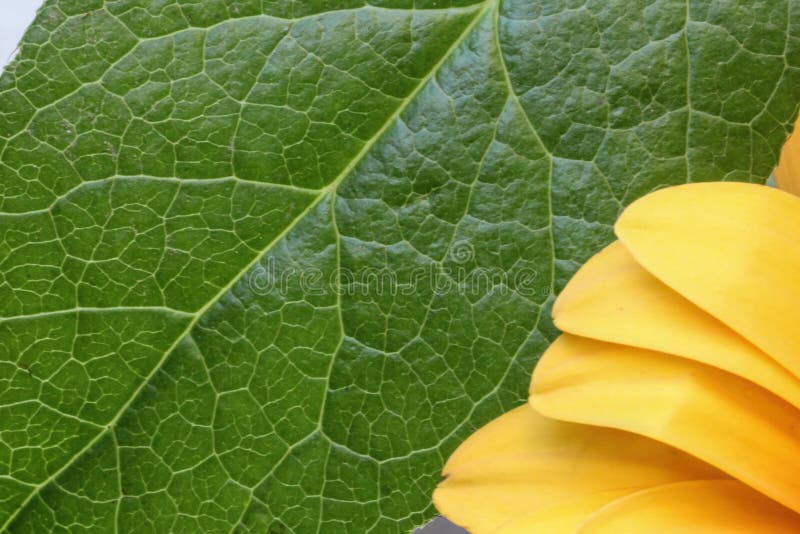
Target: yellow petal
{"points": [[724, 420], [787, 175], [563, 518], [612, 298], [733, 250], [522, 462], [709, 507]]}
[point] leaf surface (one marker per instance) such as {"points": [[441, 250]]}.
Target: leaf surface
{"points": [[264, 264]]}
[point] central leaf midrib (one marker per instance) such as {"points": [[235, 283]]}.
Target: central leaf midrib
{"points": [[480, 11]]}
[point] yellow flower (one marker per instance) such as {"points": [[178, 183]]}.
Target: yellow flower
{"points": [[671, 403]]}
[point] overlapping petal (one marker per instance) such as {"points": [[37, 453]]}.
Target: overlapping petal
{"points": [[612, 298], [683, 336], [523, 463], [787, 175], [705, 506], [708, 506], [730, 248], [724, 420]]}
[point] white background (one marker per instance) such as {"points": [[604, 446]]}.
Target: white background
{"points": [[15, 16]]}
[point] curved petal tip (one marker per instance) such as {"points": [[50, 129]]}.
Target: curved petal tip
{"points": [[787, 174]]}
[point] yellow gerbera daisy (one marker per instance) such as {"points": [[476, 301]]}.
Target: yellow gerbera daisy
{"points": [[671, 403]]}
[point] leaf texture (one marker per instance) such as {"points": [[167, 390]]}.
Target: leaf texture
{"points": [[163, 163]]}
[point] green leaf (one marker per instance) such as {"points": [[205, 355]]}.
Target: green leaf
{"points": [[204, 206]]}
